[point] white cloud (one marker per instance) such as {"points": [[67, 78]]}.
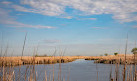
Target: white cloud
{"points": [[23, 9], [122, 10], [70, 17], [44, 7], [9, 21], [67, 17], [126, 17], [98, 27], [86, 18]]}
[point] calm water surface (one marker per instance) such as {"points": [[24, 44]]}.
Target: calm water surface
{"points": [[79, 70]]}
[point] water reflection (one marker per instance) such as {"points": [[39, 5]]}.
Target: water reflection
{"points": [[79, 70]]}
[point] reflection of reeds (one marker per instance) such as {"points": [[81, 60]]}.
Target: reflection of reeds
{"points": [[116, 72], [45, 76], [97, 71]]}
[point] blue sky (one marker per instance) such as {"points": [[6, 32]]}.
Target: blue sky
{"points": [[82, 27]]}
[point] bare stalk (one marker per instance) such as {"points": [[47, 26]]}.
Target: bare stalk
{"points": [[124, 73], [24, 45]]}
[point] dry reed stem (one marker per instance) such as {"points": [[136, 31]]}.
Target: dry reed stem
{"points": [[24, 45]]}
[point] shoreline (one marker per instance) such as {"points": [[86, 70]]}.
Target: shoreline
{"points": [[110, 59], [16, 61], [115, 59]]}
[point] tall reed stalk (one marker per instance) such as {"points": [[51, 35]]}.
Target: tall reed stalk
{"points": [[124, 72], [24, 45]]}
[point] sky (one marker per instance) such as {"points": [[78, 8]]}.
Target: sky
{"points": [[75, 27]]}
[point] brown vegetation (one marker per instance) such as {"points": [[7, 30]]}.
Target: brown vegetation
{"points": [[14, 61], [120, 58]]}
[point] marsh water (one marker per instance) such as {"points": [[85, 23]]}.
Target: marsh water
{"points": [[79, 70]]}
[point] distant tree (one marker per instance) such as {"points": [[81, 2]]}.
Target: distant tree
{"points": [[115, 53], [134, 50], [106, 54]]}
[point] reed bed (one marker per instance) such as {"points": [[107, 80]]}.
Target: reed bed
{"points": [[30, 73], [16, 61]]}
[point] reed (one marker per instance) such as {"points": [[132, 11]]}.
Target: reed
{"points": [[24, 45]]}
